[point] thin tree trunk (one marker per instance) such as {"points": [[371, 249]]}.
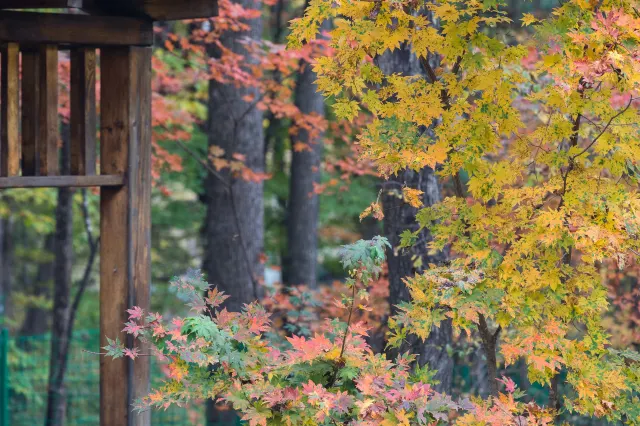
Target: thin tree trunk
{"points": [[234, 224], [37, 318], [490, 344], [399, 216], [6, 260], [479, 382], [302, 229], [56, 398]]}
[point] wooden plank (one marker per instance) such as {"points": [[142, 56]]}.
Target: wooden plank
{"points": [[73, 29], [125, 147], [140, 199], [160, 10], [40, 4], [48, 126], [83, 111], [30, 117], [10, 111], [61, 181]]}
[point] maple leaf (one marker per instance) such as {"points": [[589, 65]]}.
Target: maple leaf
{"points": [[216, 151], [300, 147], [135, 313], [133, 328], [342, 402], [528, 19], [131, 353], [374, 209], [413, 196], [215, 297], [510, 385], [114, 348]]}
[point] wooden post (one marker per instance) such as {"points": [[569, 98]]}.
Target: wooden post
{"points": [[83, 112], [125, 148], [48, 125], [10, 111], [30, 112]]}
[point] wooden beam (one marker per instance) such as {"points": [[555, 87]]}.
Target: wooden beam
{"points": [[125, 148], [72, 29], [40, 4], [10, 111], [61, 181], [83, 111], [30, 114], [48, 125], [160, 10]]}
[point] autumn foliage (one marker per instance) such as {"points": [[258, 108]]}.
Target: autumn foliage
{"points": [[546, 137], [540, 142]]}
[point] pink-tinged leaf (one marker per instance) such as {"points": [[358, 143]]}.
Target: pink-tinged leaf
{"points": [[215, 298], [343, 402], [510, 385], [135, 313], [133, 328], [131, 353]]}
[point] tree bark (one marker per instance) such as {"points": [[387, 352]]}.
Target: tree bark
{"points": [[302, 223], [6, 260], [36, 320], [56, 398], [490, 344], [478, 373], [234, 224], [399, 216]]}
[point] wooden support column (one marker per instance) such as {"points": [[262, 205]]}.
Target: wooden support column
{"points": [[125, 148], [10, 108], [48, 125], [83, 112], [30, 114]]}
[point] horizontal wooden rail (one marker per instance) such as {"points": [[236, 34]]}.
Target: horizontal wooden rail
{"points": [[77, 30], [60, 181], [40, 4]]}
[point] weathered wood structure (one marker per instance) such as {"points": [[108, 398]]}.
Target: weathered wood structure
{"points": [[122, 30]]}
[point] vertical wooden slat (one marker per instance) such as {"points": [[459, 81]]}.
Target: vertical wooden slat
{"points": [[83, 112], [10, 110], [48, 128], [125, 148], [30, 115]]}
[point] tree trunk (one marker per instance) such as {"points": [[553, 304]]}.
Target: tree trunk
{"points": [[478, 373], [36, 320], [302, 224], [6, 260], [490, 345], [234, 224], [399, 216], [56, 399]]}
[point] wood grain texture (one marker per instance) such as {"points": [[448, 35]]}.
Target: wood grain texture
{"points": [[160, 10], [30, 117], [157, 10], [48, 126], [73, 29], [10, 111], [83, 111], [40, 4], [125, 147], [61, 181], [140, 199]]}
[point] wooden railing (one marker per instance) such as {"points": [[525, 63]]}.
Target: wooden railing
{"points": [[29, 119]]}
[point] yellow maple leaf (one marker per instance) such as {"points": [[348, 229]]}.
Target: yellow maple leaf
{"points": [[412, 196], [528, 19]]}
